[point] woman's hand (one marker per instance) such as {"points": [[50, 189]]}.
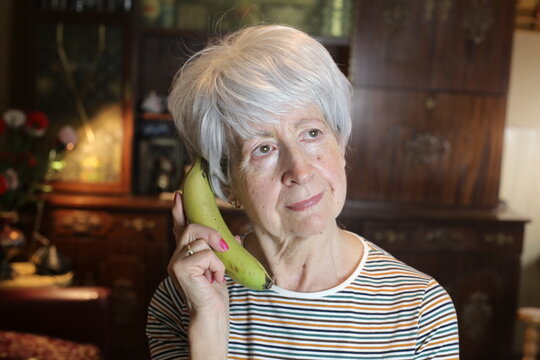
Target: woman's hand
{"points": [[199, 275]]}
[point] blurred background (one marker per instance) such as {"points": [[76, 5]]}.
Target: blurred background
{"points": [[443, 162]]}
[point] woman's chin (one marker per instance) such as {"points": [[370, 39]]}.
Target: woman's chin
{"points": [[310, 226]]}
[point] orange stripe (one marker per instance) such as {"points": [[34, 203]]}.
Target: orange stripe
{"points": [[432, 305], [423, 330], [341, 326], [266, 301], [333, 346], [393, 289], [397, 272]]}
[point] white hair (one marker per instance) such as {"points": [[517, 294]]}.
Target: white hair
{"points": [[250, 77]]}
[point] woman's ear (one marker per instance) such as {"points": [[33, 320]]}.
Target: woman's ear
{"points": [[231, 197], [343, 149]]}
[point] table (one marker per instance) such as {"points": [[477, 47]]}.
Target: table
{"points": [[24, 275]]}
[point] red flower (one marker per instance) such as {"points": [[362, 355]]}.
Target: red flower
{"points": [[4, 185], [36, 123], [2, 125], [31, 160]]}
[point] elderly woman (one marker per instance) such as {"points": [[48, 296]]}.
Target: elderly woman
{"points": [[269, 110]]}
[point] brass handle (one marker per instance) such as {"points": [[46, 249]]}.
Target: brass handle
{"points": [[82, 224], [478, 20], [139, 224], [477, 314], [444, 10], [499, 239], [389, 236], [444, 235], [430, 102], [396, 13], [426, 148], [429, 7]]}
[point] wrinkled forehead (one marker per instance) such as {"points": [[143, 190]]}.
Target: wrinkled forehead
{"points": [[291, 121], [269, 125]]}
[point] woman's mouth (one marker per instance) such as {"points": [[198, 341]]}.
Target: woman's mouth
{"points": [[305, 204]]}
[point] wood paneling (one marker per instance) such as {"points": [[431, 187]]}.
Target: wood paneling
{"points": [[473, 46], [447, 152], [456, 45], [391, 44]]}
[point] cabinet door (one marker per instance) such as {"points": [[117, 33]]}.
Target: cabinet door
{"points": [[485, 299], [473, 45], [417, 148], [81, 78], [392, 43], [125, 250]]}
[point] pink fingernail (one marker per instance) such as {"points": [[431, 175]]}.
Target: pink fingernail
{"points": [[212, 280], [224, 245]]}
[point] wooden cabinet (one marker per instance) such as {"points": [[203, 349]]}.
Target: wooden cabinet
{"points": [[123, 243], [426, 148], [430, 82], [474, 254], [457, 45]]}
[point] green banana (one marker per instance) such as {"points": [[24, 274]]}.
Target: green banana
{"points": [[200, 208]]}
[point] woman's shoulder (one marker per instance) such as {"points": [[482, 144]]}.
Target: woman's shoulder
{"points": [[383, 265]]}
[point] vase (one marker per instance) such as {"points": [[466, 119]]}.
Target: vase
{"points": [[11, 241]]}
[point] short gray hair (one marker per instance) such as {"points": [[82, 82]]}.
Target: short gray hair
{"points": [[250, 77]]}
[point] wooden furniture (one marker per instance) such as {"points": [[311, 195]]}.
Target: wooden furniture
{"points": [[122, 243], [80, 314], [430, 101], [430, 84], [531, 317]]}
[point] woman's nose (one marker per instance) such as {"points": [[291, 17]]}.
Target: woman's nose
{"points": [[298, 168]]}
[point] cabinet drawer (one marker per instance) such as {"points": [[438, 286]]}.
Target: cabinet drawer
{"points": [[420, 237], [110, 225], [430, 237]]}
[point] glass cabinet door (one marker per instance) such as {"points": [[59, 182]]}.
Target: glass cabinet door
{"points": [[329, 18], [80, 73]]}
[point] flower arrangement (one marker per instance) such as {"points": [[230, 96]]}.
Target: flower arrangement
{"points": [[26, 166]]}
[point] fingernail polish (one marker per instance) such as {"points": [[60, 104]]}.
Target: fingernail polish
{"points": [[212, 280], [223, 245], [175, 197]]}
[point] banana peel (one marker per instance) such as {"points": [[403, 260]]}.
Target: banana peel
{"points": [[200, 208]]}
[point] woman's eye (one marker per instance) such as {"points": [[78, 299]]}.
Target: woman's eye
{"points": [[312, 134], [262, 150]]}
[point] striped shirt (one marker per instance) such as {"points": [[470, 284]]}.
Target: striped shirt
{"points": [[384, 310]]}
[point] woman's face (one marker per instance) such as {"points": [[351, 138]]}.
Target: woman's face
{"points": [[290, 177]]}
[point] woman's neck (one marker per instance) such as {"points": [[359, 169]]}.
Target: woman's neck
{"points": [[307, 264]]}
